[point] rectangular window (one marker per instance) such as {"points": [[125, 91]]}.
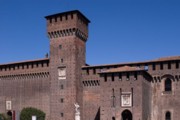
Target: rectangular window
{"points": [[94, 71], [127, 76], [112, 77], [60, 46], [120, 76], [87, 71], [135, 76], [169, 65], [62, 60], [154, 66], [177, 65], [105, 78], [161, 66], [113, 98], [146, 67], [55, 19], [62, 100], [62, 86], [71, 16], [62, 114]]}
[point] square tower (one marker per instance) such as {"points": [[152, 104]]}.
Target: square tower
{"points": [[68, 33]]}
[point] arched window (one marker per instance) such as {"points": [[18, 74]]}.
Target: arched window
{"points": [[113, 118], [168, 85], [168, 116]]}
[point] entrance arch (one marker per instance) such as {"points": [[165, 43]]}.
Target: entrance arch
{"points": [[126, 115]]}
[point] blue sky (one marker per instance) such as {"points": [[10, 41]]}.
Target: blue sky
{"points": [[120, 30]]}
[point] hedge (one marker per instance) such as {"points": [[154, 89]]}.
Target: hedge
{"points": [[27, 113]]}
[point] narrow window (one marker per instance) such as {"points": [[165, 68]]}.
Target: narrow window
{"points": [[42, 64], [94, 71], [62, 114], [112, 77], [154, 66], [127, 76], [60, 46], [55, 19], [168, 116], [132, 95], [113, 118], [120, 76], [113, 98], [87, 71], [50, 20], [62, 86], [22, 66], [105, 78], [168, 85], [135, 76], [161, 66], [62, 100], [177, 65], [169, 65], [146, 67], [72, 16], [62, 60]]}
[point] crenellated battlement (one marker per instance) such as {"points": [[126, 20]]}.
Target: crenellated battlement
{"points": [[26, 65], [66, 16], [72, 23]]}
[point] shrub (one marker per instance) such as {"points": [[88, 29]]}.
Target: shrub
{"points": [[27, 113], [4, 117]]}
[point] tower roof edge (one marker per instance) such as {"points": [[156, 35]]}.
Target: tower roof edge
{"points": [[66, 13]]}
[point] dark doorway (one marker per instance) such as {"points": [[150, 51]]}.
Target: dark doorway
{"points": [[126, 115]]}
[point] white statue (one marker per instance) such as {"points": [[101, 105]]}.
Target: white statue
{"points": [[77, 113], [77, 107]]}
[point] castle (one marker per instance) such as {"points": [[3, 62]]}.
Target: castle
{"points": [[148, 90]]}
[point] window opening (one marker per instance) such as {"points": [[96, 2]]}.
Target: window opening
{"points": [[94, 71], [177, 65], [161, 66], [62, 114], [127, 76], [168, 116], [113, 98], [168, 85], [112, 77], [154, 66], [120, 76], [62, 86], [169, 65], [60, 46], [62, 100], [105, 78], [87, 71], [135, 76], [113, 118]]}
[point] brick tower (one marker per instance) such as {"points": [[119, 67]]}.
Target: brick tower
{"points": [[68, 33]]}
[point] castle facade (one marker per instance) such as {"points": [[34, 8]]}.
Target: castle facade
{"points": [[148, 90]]}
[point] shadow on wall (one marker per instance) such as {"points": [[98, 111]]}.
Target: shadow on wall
{"points": [[97, 115]]}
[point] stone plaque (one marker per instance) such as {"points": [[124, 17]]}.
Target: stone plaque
{"points": [[61, 73], [8, 105], [126, 100]]}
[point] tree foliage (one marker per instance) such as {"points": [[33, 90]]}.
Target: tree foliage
{"points": [[4, 117], [27, 113]]}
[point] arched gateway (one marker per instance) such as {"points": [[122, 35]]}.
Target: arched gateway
{"points": [[126, 115]]}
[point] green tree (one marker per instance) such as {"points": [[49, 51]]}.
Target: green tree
{"points": [[4, 117], [27, 113]]}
